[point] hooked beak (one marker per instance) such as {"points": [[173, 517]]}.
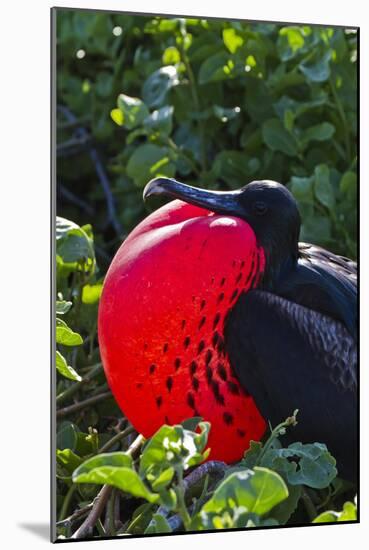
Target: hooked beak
{"points": [[221, 202]]}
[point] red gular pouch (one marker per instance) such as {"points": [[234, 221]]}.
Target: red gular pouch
{"points": [[161, 324]]}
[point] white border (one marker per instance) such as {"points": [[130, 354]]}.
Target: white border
{"points": [[24, 218]]}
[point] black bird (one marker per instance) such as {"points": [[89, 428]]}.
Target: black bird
{"points": [[292, 342]]}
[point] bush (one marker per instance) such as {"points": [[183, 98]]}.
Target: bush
{"points": [[216, 104]]}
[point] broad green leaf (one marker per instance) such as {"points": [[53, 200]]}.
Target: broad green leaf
{"points": [[66, 370], [133, 109], [257, 491], [319, 132], [160, 482], [302, 189], [349, 513], [232, 40], [158, 84], [141, 518], [117, 116], [323, 188], [171, 56], [149, 161], [73, 245], [91, 293], [216, 67], [316, 229], [68, 460], [348, 184], [66, 336], [158, 524], [173, 446], [278, 138], [224, 114], [317, 70], [160, 120], [234, 167], [303, 464], [62, 307], [113, 469]]}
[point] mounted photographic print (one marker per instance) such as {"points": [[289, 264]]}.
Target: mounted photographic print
{"points": [[204, 313]]}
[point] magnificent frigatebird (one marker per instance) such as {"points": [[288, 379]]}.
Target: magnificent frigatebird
{"points": [[213, 307]]}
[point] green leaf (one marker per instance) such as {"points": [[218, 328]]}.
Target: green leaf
{"points": [[68, 460], [257, 490], [66, 336], [319, 132], [133, 109], [171, 56], [62, 307], [160, 120], [158, 524], [214, 68], [117, 116], [252, 455], [232, 40], [277, 138], [113, 469], [303, 464], [348, 184], [64, 369], [74, 246], [91, 293], [149, 161], [162, 481], [302, 189], [174, 446], [349, 513], [317, 70], [323, 188], [158, 84], [233, 167]]}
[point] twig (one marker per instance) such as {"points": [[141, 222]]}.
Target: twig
{"points": [[96, 369], [81, 404], [72, 198], [75, 516], [102, 498], [116, 438], [81, 133], [97, 508]]}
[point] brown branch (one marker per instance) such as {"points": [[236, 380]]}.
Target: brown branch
{"points": [[81, 404], [102, 498], [116, 438], [96, 511]]}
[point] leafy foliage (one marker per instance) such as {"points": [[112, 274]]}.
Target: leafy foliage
{"points": [[216, 104]]}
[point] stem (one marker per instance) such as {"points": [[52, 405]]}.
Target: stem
{"points": [[110, 513], [82, 404], [343, 117], [277, 431], [181, 508], [102, 498], [66, 502], [116, 438], [195, 96], [309, 505], [96, 369], [181, 153]]}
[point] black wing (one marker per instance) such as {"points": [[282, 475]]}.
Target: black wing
{"points": [[291, 357], [323, 282]]}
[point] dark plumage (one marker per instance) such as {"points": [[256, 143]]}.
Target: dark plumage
{"points": [[292, 341]]}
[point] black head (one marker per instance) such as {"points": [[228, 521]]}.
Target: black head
{"points": [[267, 206]]}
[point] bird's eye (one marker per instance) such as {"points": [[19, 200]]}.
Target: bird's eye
{"points": [[260, 208]]}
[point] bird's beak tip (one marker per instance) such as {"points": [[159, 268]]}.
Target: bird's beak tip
{"points": [[153, 187]]}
